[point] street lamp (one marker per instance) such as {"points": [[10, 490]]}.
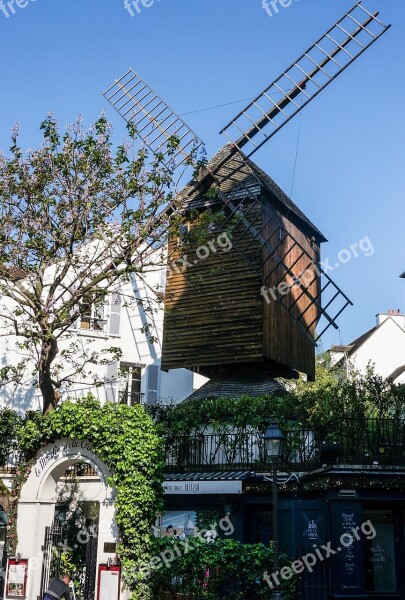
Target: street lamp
{"points": [[274, 440]]}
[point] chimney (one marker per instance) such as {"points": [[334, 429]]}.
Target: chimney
{"points": [[395, 315]]}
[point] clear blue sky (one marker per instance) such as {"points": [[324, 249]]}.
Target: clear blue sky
{"points": [[60, 55]]}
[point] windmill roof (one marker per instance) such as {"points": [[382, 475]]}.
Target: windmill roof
{"points": [[234, 168]]}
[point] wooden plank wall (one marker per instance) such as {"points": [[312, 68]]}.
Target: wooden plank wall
{"points": [[213, 310], [284, 341]]}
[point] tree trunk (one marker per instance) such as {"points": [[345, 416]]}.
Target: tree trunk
{"points": [[49, 394]]}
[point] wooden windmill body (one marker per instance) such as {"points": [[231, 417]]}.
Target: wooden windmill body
{"points": [[257, 306], [217, 314]]}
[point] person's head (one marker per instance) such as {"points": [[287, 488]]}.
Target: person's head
{"points": [[66, 579], [169, 530]]}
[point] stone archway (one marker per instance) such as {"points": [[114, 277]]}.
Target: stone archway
{"points": [[38, 497]]}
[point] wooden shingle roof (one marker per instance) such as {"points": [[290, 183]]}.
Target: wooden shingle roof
{"points": [[234, 169]]}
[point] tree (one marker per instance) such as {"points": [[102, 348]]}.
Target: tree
{"points": [[77, 218]]}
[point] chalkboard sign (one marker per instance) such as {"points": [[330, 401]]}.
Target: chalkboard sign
{"points": [[347, 564], [312, 529]]}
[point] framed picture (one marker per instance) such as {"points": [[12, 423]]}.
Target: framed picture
{"points": [[17, 578], [178, 524]]}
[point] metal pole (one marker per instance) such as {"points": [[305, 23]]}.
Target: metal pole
{"points": [[277, 595]]}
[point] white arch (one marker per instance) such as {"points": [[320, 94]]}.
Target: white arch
{"points": [[52, 461], [36, 505]]}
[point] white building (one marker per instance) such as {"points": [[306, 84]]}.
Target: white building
{"points": [[382, 347], [120, 321]]}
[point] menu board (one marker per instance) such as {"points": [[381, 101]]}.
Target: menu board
{"points": [[17, 578], [347, 564], [108, 583]]}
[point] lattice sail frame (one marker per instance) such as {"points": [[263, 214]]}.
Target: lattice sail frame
{"points": [[156, 123], [298, 85]]}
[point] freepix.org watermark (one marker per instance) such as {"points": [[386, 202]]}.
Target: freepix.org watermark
{"points": [[8, 8], [135, 7], [181, 547], [222, 243], [272, 7], [364, 247], [321, 553]]}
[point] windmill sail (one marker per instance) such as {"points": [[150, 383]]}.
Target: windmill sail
{"points": [[325, 60], [155, 122]]}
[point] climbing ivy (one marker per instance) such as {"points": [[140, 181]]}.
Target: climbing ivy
{"points": [[124, 438], [9, 421]]}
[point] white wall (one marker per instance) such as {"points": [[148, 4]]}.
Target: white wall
{"points": [[385, 348], [136, 348]]}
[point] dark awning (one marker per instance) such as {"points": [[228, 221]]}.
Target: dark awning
{"points": [[208, 476]]}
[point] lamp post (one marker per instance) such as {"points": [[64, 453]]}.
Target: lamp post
{"points": [[274, 440]]}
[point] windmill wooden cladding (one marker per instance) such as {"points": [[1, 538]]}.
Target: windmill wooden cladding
{"points": [[283, 339], [213, 311], [216, 315]]}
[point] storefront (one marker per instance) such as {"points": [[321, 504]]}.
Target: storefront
{"points": [[355, 520]]}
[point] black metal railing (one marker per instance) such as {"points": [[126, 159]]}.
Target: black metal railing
{"points": [[357, 442], [93, 324], [130, 398]]}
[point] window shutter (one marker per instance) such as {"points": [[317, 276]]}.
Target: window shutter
{"points": [[115, 314], [153, 384], [111, 383]]}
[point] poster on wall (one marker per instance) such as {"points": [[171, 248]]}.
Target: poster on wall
{"points": [[17, 578], [179, 524]]}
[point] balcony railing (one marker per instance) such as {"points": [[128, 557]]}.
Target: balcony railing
{"points": [[358, 442], [130, 398], [93, 324]]}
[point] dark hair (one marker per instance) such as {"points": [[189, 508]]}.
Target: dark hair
{"points": [[169, 527]]}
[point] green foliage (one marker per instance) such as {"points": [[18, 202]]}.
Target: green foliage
{"points": [[206, 518], [124, 438], [225, 569], [9, 422], [320, 403], [220, 413], [350, 412], [333, 395]]}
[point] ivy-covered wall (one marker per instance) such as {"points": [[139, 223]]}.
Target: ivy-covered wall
{"points": [[125, 439]]}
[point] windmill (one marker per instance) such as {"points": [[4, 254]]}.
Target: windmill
{"points": [[262, 303]]}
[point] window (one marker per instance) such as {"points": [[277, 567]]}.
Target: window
{"points": [[93, 316], [129, 382], [380, 553]]}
